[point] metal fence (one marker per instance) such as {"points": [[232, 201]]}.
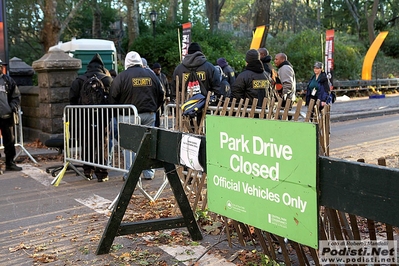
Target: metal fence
{"points": [[19, 138], [91, 137], [91, 134]]}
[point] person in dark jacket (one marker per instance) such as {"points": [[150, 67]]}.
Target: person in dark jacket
{"points": [[140, 87], [95, 66], [156, 68], [93, 126], [224, 84], [266, 59], [318, 87], [253, 82], [227, 70], [10, 99], [195, 60]]}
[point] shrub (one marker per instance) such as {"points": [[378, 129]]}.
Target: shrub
{"points": [[307, 47], [390, 45]]}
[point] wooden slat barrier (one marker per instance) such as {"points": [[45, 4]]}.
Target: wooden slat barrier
{"points": [[347, 189]]}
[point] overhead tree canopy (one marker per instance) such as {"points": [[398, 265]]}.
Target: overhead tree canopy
{"points": [[33, 27]]}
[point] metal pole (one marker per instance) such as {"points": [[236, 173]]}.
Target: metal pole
{"points": [[153, 29]]}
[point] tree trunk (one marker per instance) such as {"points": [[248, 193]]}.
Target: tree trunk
{"points": [[262, 17], [132, 21], [370, 16], [172, 11], [355, 15], [213, 10], [293, 16], [49, 35], [96, 29]]}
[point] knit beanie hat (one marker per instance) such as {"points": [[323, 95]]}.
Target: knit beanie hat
{"points": [[194, 47], [132, 58], [252, 55], [156, 65], [222, 62]]}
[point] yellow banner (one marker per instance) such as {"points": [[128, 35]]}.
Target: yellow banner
{"points": [[370, 56], [258, 36]]}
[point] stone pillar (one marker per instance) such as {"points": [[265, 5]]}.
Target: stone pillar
{"points": [[56, 71], [21, 72]]}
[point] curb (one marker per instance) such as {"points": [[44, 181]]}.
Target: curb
{"points": [[359, 115]]}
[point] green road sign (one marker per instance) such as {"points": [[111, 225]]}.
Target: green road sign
{"points": [[263, 173]]}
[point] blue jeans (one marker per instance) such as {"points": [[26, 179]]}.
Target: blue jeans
{"points": [[147, 119]]}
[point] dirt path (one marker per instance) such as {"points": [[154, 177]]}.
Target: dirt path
{"points": [[371, 151]]}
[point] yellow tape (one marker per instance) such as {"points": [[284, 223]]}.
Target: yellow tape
{"points": [[61, 175]]}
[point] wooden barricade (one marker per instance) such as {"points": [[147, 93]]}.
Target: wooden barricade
{"points": [[334, 224], [342, 185]]}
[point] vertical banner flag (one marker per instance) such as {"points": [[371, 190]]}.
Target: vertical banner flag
{"points": [[186, 39], [3, 39], [258, 37], [329, 55]]}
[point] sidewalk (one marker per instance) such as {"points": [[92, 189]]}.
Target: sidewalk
{"points": [[63, 225]]}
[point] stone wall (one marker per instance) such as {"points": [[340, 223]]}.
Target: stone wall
{"points": [[43, 105]]}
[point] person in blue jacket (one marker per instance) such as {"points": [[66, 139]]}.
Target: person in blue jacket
{"points": [[318, 87]]}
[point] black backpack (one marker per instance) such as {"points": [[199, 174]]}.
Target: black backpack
{"points": [[93, 91]]}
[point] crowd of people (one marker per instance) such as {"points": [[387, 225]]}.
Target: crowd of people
{"points": [[148, 89]]}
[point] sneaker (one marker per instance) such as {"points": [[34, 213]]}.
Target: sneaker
{"points": [[105, 179], [89, 176], [13, 167], [148, 178]]}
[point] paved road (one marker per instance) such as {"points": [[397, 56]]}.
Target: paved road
{"points": [[364, 107], [63, 225], [66, 222]]}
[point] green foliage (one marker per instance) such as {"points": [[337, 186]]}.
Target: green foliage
{"points": [[81, 25], [25, 22], [218, 45], [348, 62], [390, 45], [307, 47], [165, 47]]}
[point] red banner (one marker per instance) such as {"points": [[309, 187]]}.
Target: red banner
{"points": [[3, 35], [186, 39], [329, 55]]}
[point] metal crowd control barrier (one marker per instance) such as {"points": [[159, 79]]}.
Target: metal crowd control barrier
{"points": [[19, 138], [91, 137]]}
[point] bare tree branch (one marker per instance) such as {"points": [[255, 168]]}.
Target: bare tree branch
{"points": [[70, 16]]}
